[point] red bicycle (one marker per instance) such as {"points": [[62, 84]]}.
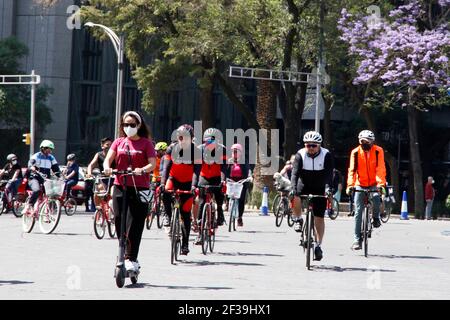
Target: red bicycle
{"points": [[208, 225], [156, 207], [104, 215], [8, 202], [47, 209]]}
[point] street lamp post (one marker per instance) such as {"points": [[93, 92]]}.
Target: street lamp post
{"points": [[118, 43]]}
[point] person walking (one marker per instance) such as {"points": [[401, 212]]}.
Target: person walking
{"points": [[429, 197]]}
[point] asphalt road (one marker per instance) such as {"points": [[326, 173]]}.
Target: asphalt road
{"points": [[407, 260]]}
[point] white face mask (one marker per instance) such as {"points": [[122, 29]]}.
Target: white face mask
{"points": [[14, 162], [130, 132]]}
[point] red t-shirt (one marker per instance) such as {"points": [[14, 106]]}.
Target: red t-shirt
{"points": [[140, 151]]}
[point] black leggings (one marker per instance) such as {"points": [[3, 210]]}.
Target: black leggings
{"points": [[137, 212], [218, 195], [185, 205]]}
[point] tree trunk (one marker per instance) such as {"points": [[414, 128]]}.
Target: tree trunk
{"points": [[207, 106], [327, 134], [292, 122], [266, 117], [416, 164]]}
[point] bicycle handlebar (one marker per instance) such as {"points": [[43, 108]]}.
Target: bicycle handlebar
{"points": [[178, 191]]}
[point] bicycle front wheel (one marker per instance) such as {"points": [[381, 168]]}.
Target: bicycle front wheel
{"points": [[212, 234], [335, 209], [49, 216], [231, 224], [276, 202], [205, 227], [149, 220], [365, 231], [386, 213], [28, 221], [173, 236], [17, 208], [309, 239], [99, 224], [70, 206], [279, 214]]}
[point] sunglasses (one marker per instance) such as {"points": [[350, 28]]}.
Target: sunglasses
{"points": [[312, 145], [133, 125]]}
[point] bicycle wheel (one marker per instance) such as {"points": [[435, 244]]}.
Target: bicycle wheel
{"points": [[17, 208], [111, 224], [160, 212], [99, 224], [386, 213], [3, 205], [335, 210], [290, 220], [70, 206], [309, 239], [212, 234], [49, 215], [365, 231], [28, 221], [276, 202], [206, 225], [231, 226], [149, 220], [173, 236], [279, 214]]}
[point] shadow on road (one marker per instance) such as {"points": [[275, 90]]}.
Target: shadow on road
{"points": [[147, 285], [340, 269], [69, 234], [11, 282], [248, 254], [216, 263], [392, 256], [262, 232], [217, 240]]}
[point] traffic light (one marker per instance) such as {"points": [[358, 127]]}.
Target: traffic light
{"points": [[27, 139]]}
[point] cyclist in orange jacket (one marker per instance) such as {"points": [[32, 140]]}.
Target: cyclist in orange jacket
{"points": [[367, 171]]}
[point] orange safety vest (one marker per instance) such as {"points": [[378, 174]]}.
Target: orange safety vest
{"points": [[367, 169]]}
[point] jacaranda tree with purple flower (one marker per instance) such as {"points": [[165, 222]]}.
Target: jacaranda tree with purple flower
{"points": [[405, 57]]}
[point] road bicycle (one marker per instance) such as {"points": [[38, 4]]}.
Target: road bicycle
{"points": [[284, 208], [156, 207], [366, 225], [207, 230], [308, 234], [176, 225]]}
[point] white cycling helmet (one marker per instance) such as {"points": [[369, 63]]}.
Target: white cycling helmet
{"points": [[312, 136], [366, 135]]}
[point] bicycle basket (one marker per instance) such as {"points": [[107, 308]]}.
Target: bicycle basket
{"points": [[234, 189], [54, 188]]}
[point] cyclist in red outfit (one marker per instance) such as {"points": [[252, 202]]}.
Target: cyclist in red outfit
{"points": [[213, 170], [178, 172]]}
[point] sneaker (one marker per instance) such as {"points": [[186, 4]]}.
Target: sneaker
{"points": [[351, 214], [376, 222], [240, 223], [198, 241], [132, 266], [318, 254], [184, 250], [298, 224], [166, 221], [356, 245]]}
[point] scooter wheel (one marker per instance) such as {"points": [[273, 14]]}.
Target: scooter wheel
{"points": [[120, 277], [134, 279]]}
